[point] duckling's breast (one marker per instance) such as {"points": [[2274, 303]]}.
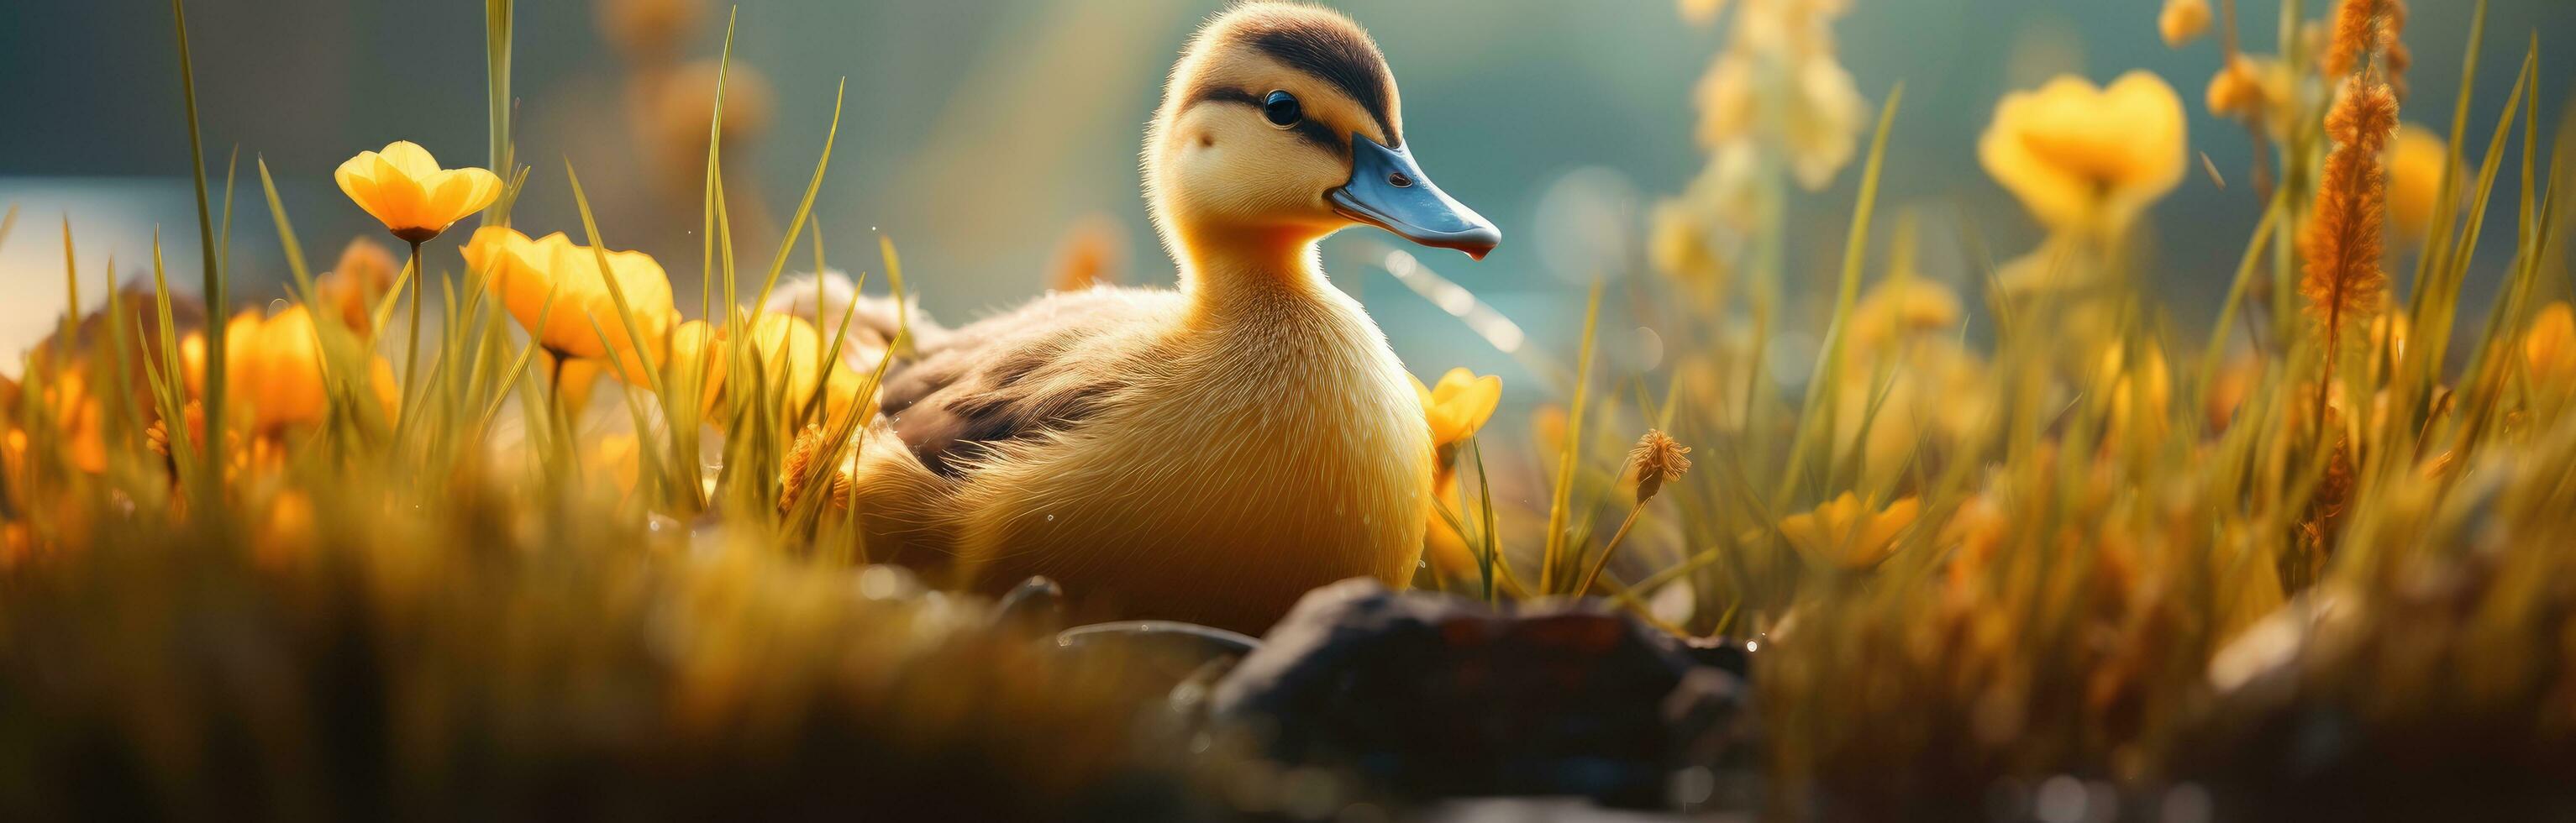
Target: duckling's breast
{"points": [[1238, 469]]}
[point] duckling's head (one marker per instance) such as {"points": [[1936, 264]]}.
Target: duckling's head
{"points": [[1281, 124]]}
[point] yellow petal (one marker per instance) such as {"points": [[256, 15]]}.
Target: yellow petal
{"points": [[483, 187], [2081, 157], [1804, 531], [2549, 348], [456, 193], [505, 257], [2182, 21], [355, 171], [388, 393], [192, 361], [357, 180], [1887, 524], [1476, 400], [1452, 380], [2415, 164], [399, 199], [409, 158]]}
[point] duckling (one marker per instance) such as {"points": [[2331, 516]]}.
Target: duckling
{"points": [[1207, 453]]}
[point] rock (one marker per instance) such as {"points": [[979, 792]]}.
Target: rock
{"points": [[2324, 711], [1426, 696]]}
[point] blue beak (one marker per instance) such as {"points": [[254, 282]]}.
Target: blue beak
{"points": [[1389, 191]]}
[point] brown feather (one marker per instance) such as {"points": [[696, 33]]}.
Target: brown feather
{"points": [[1044, 367]]}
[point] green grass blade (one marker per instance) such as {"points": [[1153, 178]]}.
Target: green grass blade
{"points": [[71, 296], [616, 293], [518, 369], [217, 302], [714, 193], [224, 227], [2216, 352], [894, 280], [498, 20], [1570, 452], [1815, 414]]}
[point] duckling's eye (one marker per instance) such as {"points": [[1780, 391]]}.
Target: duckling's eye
{"points": [[1281, 109]]}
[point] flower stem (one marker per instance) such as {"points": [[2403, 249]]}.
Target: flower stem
{"points": [[411, 346], [1603, 561], [554, 377], [558, 418]]}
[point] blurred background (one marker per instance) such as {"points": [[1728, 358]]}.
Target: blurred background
{"points": [[982, 134]]}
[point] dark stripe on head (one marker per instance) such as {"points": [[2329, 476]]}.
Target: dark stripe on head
{"points": [[1336, 54], [1310, 130]]}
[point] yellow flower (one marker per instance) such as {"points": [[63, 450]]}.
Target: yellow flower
{"points": [[573, 378], [792, 350], [1456, 408], [615, 458], [650, 30], [1893, 309], [404, 188], [693, 346], [2183, 21], [2140, 395], [2415, 162], [1459, 405], [76, 416], [1677, 248], [1916, 400], [275, 366], [1813, 115], [2236, 90], [2550, 347], [523, 272], [2083, 158], [353, 285], [1845, 534], [1977, 530], [2253, 85]]}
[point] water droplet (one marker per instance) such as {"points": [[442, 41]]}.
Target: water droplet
{"points": [[1050, 518]]}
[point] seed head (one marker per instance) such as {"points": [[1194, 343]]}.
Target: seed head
{"points": [[1659, 459]]}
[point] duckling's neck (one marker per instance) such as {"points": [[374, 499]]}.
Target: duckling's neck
{"points": [[1236, 277]]}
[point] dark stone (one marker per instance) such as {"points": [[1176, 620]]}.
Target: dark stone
{"points": [[1425, 696]]}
